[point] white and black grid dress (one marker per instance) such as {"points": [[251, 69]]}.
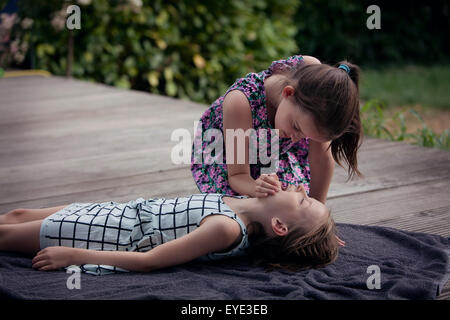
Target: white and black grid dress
{"points": [[138, 225]]}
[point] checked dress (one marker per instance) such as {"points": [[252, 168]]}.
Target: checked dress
{"points": [[138, 225]]}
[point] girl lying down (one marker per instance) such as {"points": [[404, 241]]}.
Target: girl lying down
{"points": [[285, 230]]}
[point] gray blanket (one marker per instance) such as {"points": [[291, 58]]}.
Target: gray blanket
{"points": [[377, 263]]}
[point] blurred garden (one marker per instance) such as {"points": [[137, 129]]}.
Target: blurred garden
{"points": [[195, 50]]}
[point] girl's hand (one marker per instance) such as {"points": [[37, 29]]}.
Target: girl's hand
{"points": [[52, 258], [341, 242], [293, 188], [267, 184]]}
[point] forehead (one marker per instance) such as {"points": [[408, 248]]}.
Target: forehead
{"points": [[306, 122], [314, 213]]}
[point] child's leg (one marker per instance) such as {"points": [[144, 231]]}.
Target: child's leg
{"points": [[26, 215], [21, 237]]}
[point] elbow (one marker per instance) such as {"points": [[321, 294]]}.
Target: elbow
{"points": [[147, 264], [311, 60], [232, 181], [242, 183]]}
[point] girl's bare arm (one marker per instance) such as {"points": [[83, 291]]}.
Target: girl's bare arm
{"points": [[215, 234], [237, 116], [322, 167]]}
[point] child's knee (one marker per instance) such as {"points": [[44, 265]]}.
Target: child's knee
{"points": [[13, 216]]}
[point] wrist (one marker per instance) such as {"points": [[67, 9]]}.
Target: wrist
{"points": [[77, 256], [243, 184]]}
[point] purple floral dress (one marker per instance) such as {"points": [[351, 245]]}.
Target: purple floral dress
{"points": [[211, 176]]}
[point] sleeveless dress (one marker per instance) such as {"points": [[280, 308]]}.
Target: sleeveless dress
{"points": [[138, 225], [210, 173]]}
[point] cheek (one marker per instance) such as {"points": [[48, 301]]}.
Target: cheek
{"points": [[281, 122], [286, 202]]}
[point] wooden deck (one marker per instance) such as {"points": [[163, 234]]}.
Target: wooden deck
{"points": [[64, 141]]}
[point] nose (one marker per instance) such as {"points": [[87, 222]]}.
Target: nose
{"points": [[301, 189], [295, 137]]}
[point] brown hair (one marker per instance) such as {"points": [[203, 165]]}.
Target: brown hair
{"points": [[331, 95], [297, 250]]}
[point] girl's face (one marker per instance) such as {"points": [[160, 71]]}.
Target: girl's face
{"points": [[292, 206], [295, 123]]}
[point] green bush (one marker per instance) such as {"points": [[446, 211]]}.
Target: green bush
{"points": [[187, 49], [375, 124], [411, 31]]}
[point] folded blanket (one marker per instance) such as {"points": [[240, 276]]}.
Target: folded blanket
{"points": [[376, 263]]}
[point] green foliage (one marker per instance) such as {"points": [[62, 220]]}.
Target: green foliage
{"points": [[411, 32], [375, 124], [410, 85], [195, 49], [187, 49]]}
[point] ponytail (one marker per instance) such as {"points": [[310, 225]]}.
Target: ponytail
{"points": [[345, 148]]}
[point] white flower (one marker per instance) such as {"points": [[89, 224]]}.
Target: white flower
{"points": [[14, 46], [7, 20], [59, 20], [27, 23], [24, 46], [84, 2], [18, 57], [136, 3], [58, 23]]}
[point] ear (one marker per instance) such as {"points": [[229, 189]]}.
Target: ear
{"points": [[288, 91], [279, 227]]}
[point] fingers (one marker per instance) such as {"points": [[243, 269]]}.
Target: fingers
{"points": [[267, 185], [340, 242], [291, 187], [263, 192], [40, 264], [42, 261], [271, 179]]}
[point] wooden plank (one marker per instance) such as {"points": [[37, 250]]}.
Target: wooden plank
{"points": [[388, 164], [98, 104], [435, 221], [445, 293], [84, 138], [60, 142], [32, 89], [380, 205], [167, 183]]}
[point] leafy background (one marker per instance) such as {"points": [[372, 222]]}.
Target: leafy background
{"points": [[194, 50]]}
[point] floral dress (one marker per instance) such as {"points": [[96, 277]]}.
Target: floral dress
{"points": [[210, 171]]}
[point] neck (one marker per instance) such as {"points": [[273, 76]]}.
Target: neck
{"points": [[249, 210], [274, 86]]}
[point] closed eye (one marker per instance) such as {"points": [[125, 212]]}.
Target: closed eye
{"points": [[296, 128]]}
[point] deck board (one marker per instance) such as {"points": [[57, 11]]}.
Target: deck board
{"points": [[64, 140]]}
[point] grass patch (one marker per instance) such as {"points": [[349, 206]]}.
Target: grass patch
{"points": [[378, 123], [428, 86]]}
